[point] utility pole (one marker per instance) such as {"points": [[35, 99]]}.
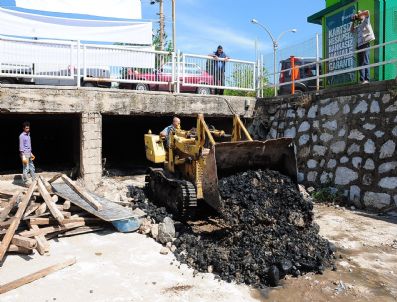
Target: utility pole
{"points": [[173, 27], [161, 14]]}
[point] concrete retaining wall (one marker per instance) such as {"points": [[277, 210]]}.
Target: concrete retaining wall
{"points": [[347, 141]]}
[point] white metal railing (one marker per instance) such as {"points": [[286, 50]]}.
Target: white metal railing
{"points": [[206, 71], [141, 68], [323, 64]]}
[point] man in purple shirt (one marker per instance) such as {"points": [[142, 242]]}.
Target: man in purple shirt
{"points": [[25, 151]]}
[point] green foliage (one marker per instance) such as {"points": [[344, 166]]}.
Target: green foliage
{"points": [[328, 195]]}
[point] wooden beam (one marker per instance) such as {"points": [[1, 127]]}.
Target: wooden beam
{"points": [[41, 209], [13, 201], [15, 223], [31, 208], [46, 221], [82, 193], [35, 276], [43, 245], [51, 229], [50, 204], [46, 184], [20, 250], [24, 242], [54, 178]]}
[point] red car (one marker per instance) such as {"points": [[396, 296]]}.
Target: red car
{"points": [[193, 74]]}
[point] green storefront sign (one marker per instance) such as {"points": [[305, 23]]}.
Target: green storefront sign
{"points": [[337, 39]]}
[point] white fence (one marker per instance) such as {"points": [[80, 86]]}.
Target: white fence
{"points": [[63, 63]]}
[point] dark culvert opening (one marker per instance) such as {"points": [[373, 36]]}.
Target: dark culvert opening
{"points": [[55, 141], [123, 145]]}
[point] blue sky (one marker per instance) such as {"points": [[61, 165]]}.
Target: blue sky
{"points": [[203, 24]]}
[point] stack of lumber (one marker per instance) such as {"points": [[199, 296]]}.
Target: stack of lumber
{"points": [[29, 219]]}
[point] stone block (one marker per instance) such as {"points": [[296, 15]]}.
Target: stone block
{"points": [[346, 109], [362, 107], [312, 113], [344, 176], [338, 147], [331, 125], [326, 177], [342, 132], [301, 112], [369, 126], [357, 135], [304, 127], [326, 137], [319, 150], [376, 200], [367, 179], [316, 124], [356, 161], [394, 131], [314, 138], [331, 164], [304, 139], [344, 160], [312, 176], [369, 147], [387, 149], [379, 134], [388, 183], [290, 132], [369, 164], [301, 177], [311, 163], [355, 195], [387, 167], [354, 148], [291, 113], [331, 109], [374, 107], [386, 99], [391, 108]]}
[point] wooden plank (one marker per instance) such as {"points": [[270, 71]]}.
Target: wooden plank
{"points": [[6, 224], [46, 221], [46, 184], [50, 204], [81, 230], [6, 195], [54, 178], [20, 250], [31, 208], [51, 229], [43, 245], [41, 209], [66, 204], [82, 193], [15, 223], [24, 242], [35, 276], [13, 201]]}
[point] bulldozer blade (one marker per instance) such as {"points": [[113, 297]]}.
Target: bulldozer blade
{"points": [[232, 157]]}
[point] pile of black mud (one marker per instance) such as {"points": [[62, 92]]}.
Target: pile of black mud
{"points": [[270, 233]]}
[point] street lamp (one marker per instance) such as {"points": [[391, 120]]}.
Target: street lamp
{"points": [[275, 46]]}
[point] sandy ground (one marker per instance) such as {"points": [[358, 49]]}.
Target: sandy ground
{"points": [[128, 267]]}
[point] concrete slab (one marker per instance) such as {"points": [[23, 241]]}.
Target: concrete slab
{"points": [[114, 267]]}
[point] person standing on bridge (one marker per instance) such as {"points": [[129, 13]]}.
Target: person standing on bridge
{"points": [[218, 70], [25, 151], [361, 25]]}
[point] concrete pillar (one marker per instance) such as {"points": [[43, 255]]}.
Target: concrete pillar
{"points": [[91, 148]]}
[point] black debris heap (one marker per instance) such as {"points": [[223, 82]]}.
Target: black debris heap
{"points": [[270, 233]]}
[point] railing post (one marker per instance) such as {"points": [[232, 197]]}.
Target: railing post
{"points": [[84, 61], [292, 60], [78, 64], [317, 63], [262, 80], [178, 59]]}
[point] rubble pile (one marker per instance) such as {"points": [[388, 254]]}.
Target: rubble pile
{"points": [[270, 233]]}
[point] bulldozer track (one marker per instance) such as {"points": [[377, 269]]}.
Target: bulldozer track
{"points": [[179, 196]]}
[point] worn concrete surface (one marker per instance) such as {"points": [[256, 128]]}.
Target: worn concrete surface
{"points": [[48, 99], [114, 267]]}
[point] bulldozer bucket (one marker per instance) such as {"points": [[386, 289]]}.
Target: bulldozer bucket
{"points": [[231, 157]]}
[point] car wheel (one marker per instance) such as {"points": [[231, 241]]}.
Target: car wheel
{"points": [[141, 87], [203, 90], [7, 81], [89, 84]]}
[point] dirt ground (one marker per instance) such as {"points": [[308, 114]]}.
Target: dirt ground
{"points": [[128, 267]]}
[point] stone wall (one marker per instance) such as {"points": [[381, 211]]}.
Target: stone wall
{"points": [[347, 141]]}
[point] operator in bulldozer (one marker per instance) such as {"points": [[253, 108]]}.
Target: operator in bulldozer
{"points": [[165, 134]]}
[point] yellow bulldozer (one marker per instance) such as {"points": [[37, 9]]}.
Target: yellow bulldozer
{"points": [[195, 160]]}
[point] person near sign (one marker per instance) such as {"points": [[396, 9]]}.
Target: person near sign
{"points": [[361, 26]]}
